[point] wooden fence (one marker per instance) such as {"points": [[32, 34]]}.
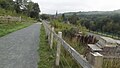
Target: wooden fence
{"points": [[78, 57], [9, 18]]}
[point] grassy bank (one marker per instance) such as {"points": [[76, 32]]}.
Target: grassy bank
{"points": [[66, 61], [8, 27], [59, 26], [46, 54]]}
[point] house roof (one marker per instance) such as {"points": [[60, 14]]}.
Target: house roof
{"points": [[94, 47], [108, 40], [97, 54]]}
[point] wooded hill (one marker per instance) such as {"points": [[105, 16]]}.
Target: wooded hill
{"points": [[94, 12], [101, 21]]}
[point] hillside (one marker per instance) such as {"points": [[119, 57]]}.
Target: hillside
{"points": [[94, 12], [106, 22]]}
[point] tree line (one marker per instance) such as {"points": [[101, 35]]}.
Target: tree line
{"points": [[105, 23], [26, 7], [109, 24]]}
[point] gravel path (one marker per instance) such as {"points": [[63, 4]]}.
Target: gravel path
{"points": [[19, 49]]}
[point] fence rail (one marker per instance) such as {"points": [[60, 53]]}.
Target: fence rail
{"points": [[10, 18], [78, 57]]}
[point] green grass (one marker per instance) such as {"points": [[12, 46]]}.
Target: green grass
{"points": [[66, 60], [47, 55], [59, 26], [111, 63], [4, 12], [8, 27]]}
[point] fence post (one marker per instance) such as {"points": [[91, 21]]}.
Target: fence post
{"points": [[20, 19], [58, 49], [98, 61], [51, 41]]}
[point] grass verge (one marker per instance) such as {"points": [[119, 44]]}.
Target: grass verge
{"points": [[66, 61], [46, 54], [8, 27]]}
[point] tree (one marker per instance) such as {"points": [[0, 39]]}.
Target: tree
{"points": [[29, 7], [63, 17], [45, 17], [73, 19], [6, 4], [35, 11]]}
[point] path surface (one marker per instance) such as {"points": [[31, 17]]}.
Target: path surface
{"points": [[19, 49]]}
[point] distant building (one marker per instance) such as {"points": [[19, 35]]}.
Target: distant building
{"points": [[56, 15]]}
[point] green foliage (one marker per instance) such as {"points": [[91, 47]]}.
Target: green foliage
{"points": [[8, 27], [25, 7], [106, 22], [28, 8], [73, 19], [35, 11], [4, 12], [64, 27], [68, 31], [66, 60], [45, 17], [59, 26], [7, 4], [7, 8], [111, 63], [64, 18], [17, 8], [47, 56], [101, 23]]}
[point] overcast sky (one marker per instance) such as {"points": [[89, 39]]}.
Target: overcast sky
{"points": [[51, 6]]}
